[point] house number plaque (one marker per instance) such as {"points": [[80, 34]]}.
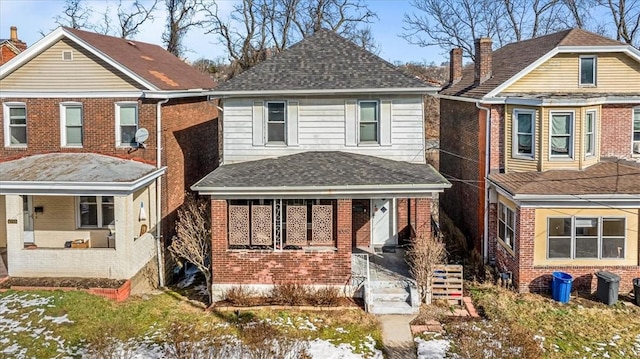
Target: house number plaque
{"points": [[12, 221]]}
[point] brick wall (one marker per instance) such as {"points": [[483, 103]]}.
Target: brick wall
{"points": [[6, 54], [460, 158], [528, 277], [268, 267], [190, 150], [99, 132], [361, 232], [615, 130]]}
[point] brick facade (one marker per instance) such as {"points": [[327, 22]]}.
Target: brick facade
{"points": [[615, 130]]}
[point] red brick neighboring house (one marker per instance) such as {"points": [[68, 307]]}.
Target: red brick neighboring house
{"points": [[11, 47], [542, 140], [323, 156], [76, 163]]}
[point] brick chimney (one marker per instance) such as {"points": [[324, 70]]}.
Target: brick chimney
{"points": [[14, 39], [484, 61], [455, 65]]}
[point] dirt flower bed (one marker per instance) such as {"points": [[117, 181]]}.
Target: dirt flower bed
{"points": [[80, 283], [286, 295]]}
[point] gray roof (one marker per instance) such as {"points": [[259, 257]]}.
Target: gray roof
{"points": [[323, 61], [321, 169], [73, 167]]}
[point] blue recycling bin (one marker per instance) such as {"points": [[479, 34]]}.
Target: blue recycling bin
{"points": [[561, 287]]}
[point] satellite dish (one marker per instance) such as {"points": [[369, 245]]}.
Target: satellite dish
{"points": [[141, 136]]}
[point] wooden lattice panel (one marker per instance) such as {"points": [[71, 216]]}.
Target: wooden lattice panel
{"points": [[296, 225], [322, 222], [261, 225], [238, 225]]}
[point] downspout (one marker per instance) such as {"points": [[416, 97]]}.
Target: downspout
{"points": [[487, 166], [159, 192]]}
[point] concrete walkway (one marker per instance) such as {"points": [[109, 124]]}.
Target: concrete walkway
{"points": [[396, 336]]}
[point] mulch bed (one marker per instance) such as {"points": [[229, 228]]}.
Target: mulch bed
{"points": [[80, 283]]}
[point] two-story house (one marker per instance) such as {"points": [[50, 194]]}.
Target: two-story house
{"points": [[101, 136], [323, 153], [542, 141]]}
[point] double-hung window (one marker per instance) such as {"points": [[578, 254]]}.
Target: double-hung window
{"points": [[523, 133], [369, 118], [586, 238], [506, 225], [588, 70], [636, 131], [71, 124], [95, 211], [15, 124], [126, 124], [590, 133], [561, 144], [276, 121]]}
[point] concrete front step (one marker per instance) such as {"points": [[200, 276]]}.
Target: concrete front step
{"points": [[390, 294], [392, 307]]}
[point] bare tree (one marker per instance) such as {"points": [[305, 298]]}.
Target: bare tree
{"points": [[130, 19], [423, 255], [257, 28], [180, 19], [192, 242], [626, 19], [75, 15]]}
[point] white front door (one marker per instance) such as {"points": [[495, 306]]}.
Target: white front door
{"points": [[382, 234], [27, 218]]}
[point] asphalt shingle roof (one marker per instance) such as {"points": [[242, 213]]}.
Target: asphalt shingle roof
{"points": [[73, 167], [515, 57], [615, 177], [323, 61], [309, 169], [149, 61]]}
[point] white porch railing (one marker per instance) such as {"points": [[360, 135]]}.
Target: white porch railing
{"points": [[361, 274]]}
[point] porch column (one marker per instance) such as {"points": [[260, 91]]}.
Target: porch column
{"points": [[344, 225], [218, 236], [14, 222], [422, 217]]}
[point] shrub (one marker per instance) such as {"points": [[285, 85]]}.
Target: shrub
{"points": [[240, 296], [325, 296], [424, 253], [289, 294]]}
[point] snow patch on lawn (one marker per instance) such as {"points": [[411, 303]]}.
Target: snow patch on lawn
{"points": [[432, 349]]}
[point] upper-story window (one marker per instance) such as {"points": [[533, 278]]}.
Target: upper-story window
{"points": [[15, 120], [588, 70], [636, 131], [276, 120], [590, 133], [369, 118], [523, 136], [126, 124], [561, 134], [71, 123]]}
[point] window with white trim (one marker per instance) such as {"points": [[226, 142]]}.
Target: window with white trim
{"points": [[369, 118], [523, 133], [15, 120], [636, 131], [561, 133], [71, 124], [586, 238], [126, 124], [276, 121], [590, 133], [95, 211], [506, 225], [588, 70]]}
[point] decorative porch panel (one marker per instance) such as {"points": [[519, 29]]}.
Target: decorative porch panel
{"points": [[324, 267], [322, 219], [238, 225], [296, 225], [261, 225]]}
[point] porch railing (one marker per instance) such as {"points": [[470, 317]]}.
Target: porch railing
{"points": [[361, 273]]}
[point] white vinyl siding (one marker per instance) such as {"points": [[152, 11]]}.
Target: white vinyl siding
{"points": [[126, 124], [71, 124], [324, 124], [15, 124]]}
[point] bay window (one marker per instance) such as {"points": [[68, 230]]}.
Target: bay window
{"points": [[523, 133], [561, 131], [590, 133], [636, 131]]}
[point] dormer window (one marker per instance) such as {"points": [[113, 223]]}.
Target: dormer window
{"points": [[587, 70]]}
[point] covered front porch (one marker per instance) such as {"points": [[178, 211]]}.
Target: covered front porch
{"points": [[77, 215]]}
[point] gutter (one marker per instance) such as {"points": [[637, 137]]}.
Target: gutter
{"points": [[259, 93], [159, 192], [487, 165]]}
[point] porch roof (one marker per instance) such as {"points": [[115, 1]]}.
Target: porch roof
{"points": [[331, 173], [609, 179], [74, 173]]}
